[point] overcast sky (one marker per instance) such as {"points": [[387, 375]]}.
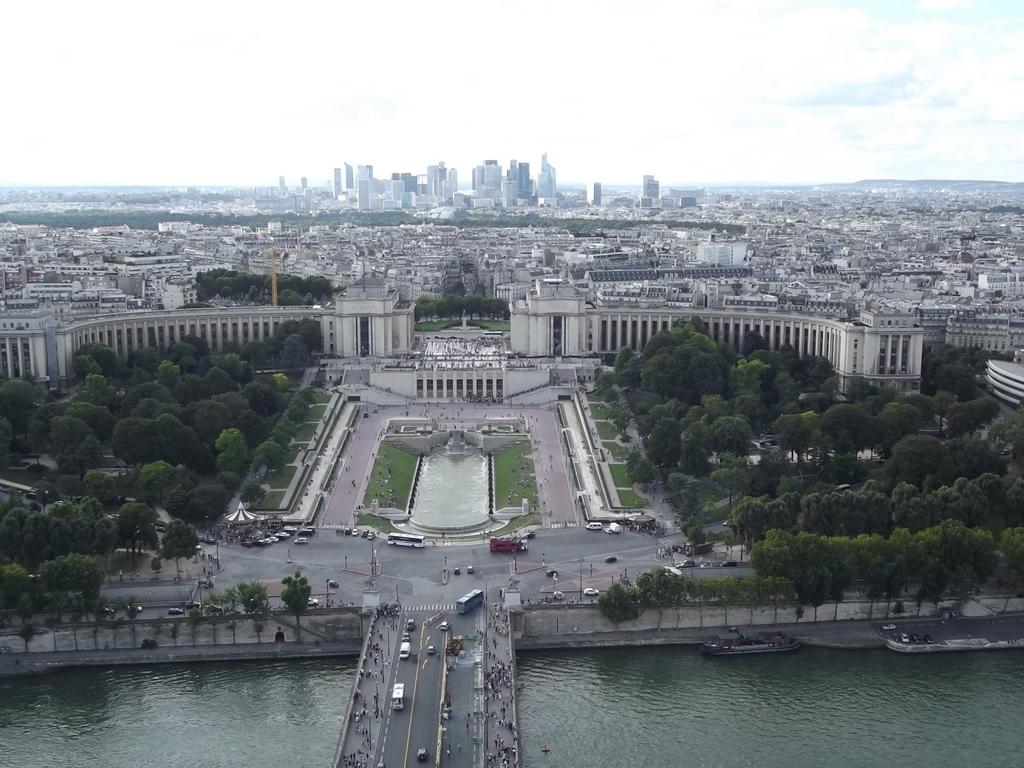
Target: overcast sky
{"points": [[782, 91]]}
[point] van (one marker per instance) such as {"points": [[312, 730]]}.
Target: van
{"points": [[405, 651], [594, 526], [613, 528]]}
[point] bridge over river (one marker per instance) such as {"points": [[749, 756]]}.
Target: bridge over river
{"points": [[458, 708]]}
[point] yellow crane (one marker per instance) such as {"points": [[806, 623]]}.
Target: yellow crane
{"points": [[273, 276]]}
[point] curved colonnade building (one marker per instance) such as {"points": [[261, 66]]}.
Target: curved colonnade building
{"points": [[555, 328]]}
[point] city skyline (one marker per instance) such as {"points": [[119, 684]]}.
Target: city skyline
{"points": [[777, 91]]}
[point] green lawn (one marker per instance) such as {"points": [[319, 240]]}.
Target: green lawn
{"points": [[305, 432], [391, 481], [281, 477], [320, 397], [271, 501], [642, 402], [382, 524], [514, 477], [518, 522], [440, 325], [601, 410], [630, 499], [617, 450], [607, 430], [621, 476], [316, 412]]}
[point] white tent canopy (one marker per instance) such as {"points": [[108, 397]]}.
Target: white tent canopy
{"points": [[241, 515]]}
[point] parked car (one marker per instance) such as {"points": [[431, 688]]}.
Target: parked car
{"points": [[687, 564], [531, 534], [558, 595], [611, 559], [552, 572], [175, 611], [332, 583], [595, 526], [730, 564], [707, 565], [591, 592], [313, 602], [888, 627]]}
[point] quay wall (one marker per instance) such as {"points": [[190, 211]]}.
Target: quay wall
{"points": [[327, 626], [571, 625]]}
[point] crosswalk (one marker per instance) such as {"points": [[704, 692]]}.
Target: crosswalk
{"points": [[434, 607]]}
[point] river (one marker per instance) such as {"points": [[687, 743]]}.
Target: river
{"points": [[651, 708]]}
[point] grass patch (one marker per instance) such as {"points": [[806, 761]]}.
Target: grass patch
{"points": [[707, 495], [515, 477], [630, 499], [320, 397], [441, 325], [271, 501], [316, 412], [391, 480], [382, 524], [280, 478], [607, 430], [518, 522], [621, 476], [601, 410], [617, 450], [305, 432]]}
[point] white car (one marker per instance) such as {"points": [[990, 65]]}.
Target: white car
{"points": [[313, 603], [888, 627], [443, 626], [591, 592], [283, 535], [302, 540], [595, 526]]}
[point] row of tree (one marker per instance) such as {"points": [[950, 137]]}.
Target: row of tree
{"points": [[452, 306], [255, 289]]}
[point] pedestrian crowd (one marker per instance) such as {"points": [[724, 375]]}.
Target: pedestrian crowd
{"points": [[500, 702]]}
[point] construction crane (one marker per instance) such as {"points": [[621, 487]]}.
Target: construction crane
{"points": [[273, 276]]}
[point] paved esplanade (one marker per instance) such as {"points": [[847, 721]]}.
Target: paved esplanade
{"points": [[458, 692], [545, 435]]}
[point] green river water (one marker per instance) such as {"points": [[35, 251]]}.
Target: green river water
{"points": [[647, 708]]}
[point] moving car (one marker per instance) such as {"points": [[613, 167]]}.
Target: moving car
{"points": [[332, 583], [302, 540], [888, 627], [313, 602], [457, 570], [175, 611], [431, 650], [405, 650], [443, 626], [591, 592], [687, 564], [469, 569], [595, 526], [613, 528], [730, 564], [611, 559], [707, 565], [557, 595], [552, 572], [410, 625], [421, 755]]}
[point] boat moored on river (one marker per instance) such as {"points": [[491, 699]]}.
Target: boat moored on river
{"points": [[741, 644]]}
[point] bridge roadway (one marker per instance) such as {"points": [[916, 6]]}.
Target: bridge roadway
{"points": [[449, 710]]}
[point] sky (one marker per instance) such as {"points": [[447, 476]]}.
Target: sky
{"points": [[712, 92]]}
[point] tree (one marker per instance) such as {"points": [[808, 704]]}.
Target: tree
{"points": [[231, 451], [682, 492], [618, 604], [17, 401], [155, 478], [252, 596], [730, 434], [896, 421], [295, 595], [967, 418], [74, 443], [294, 353], [99, 485], [1012, 546], [74, 574], [846, 428], [1011, 431], [252, 493], [270, 455], [168, 374], [795, 432], [639, 468], [663, 443], [915, 458], [97, 391], [6, 435], [734, 473], [136, 526], [180, 540]]}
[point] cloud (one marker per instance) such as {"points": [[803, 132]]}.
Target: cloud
{"points": [[940, 6]]}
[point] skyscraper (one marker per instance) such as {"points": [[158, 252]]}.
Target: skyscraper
{"points": [[525, 182], [303, 183], [513, 172], [547, 183], [350, 182], [282, 190], [492, 176], [336, 188], [595, 196], [363, 194], [364, 172], [652, 188]]}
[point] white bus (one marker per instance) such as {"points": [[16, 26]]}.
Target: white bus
{"points": [[398, 696], [406, 540]]}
